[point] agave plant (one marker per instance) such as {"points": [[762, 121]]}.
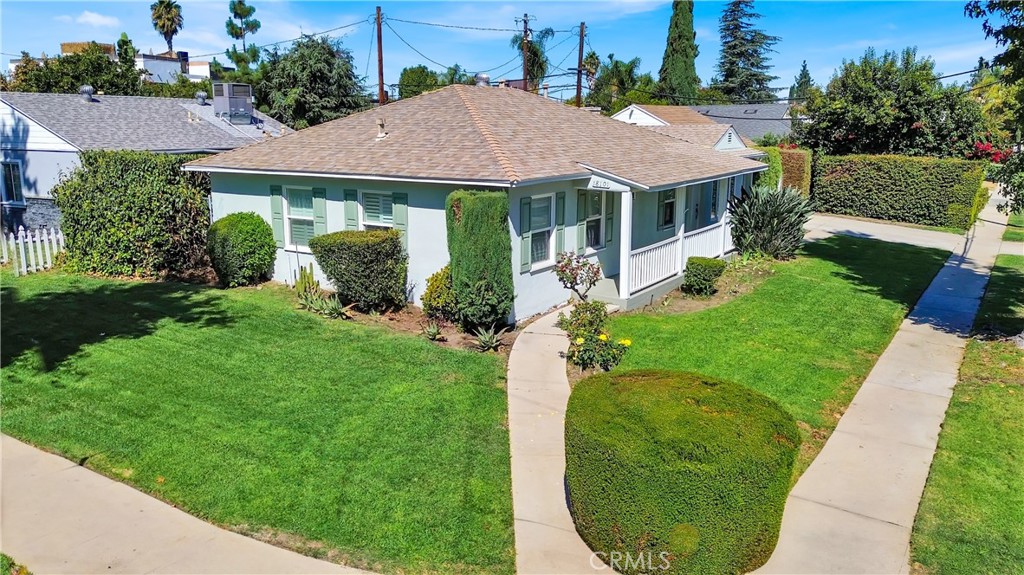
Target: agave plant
{"points": [[769, 221], [325, 305], [489, 339], [433, 331]]}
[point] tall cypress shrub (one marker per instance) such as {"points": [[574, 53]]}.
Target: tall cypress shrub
{"points": [[480, 248], [678, 75]]}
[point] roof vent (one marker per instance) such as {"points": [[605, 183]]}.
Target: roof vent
{"points": [[381, 132], [201, 98], [86, 92], [482, 79]]}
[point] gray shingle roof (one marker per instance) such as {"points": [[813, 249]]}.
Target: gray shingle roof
{"points": [[483, 133], [751, 120], [137, 122]]}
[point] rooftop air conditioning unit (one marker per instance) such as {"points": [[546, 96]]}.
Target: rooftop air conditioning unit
{"points": [[233, 102]]}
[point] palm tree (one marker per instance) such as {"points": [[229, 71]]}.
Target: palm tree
{"points": [[167, 20], [591, 63], [536, 58], [614, 79]]}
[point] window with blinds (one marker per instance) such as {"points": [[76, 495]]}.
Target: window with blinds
{"points": [[300, 216], [378, 211]]}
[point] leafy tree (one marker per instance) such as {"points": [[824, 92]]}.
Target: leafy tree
{"points": [[415, 80], [890, 104], [1000, 104], [66, 74], [743, 64], [643, 92], [711, 95], [536, 59], [182, 87], [614, 79], [802, 84], [678, 76], [311, 83], [167, 20], [241, 24], [455, 75]]}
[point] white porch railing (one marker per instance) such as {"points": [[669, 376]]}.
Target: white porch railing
{"points": [[706, 242], [654, 263], [31, 250]]}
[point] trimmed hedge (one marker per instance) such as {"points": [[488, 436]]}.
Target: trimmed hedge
{"points": [[796, 169], [241, 249], [701, 275], [439, 297], [773, 175], [926, 191], [127, 213], [367, 267], [480, 248], [678, 463]]}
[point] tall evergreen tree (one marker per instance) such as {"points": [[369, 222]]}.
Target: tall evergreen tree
{"points": [[241, 24], [743, 64], [678, 76], [802, 84]]}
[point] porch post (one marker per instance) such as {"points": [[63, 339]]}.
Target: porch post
{"points": [[625, 242]]}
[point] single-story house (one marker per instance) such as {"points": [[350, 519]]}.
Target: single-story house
{"points": [[42, 135], [687, 125], [750, 121], [635, 201]]}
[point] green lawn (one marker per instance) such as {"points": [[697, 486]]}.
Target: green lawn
{"points": [[1014, 229], [375, 449], [971, 518], [806, 337]]}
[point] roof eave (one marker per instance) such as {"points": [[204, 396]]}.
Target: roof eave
{"points": [[673, 185], [191, 167]]}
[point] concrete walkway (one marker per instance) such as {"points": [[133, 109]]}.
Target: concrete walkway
{"points": [[538, 391], [824, 225], [853, 509], [59, 517], [1013, 248]]}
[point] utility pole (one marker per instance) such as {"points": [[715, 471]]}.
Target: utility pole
{"points": [[526, 43], [381, 96], [579, 67]]}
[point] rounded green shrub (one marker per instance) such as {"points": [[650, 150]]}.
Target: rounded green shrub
{"points": [[367, 267], [439, 297], [680, 464], [701, 275], [241, 249]]}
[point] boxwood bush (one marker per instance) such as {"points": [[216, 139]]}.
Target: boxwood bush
{"points": [[480, 250], [773, 175], [701, 275], [927, 191], [127, 213], [678, 463], [241, 249], [367, 267]]}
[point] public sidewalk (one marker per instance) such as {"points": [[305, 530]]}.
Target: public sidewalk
{"points": [[59, 517], [853, 509], [538, 392]]}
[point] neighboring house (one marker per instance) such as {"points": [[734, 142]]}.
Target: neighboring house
{"points": [[635, 201], [165, 68], [753, 121], [42, 135], [687, 125]]}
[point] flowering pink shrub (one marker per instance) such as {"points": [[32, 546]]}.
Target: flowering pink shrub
{"points": [[577, 273]]}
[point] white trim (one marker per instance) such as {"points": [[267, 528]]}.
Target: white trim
{"points": [[613, 177], [382, 178], [675, 208], [635, 108], [706, 180], [3, 183], [41, 125], [536, 266], [362, 212], [602, 218], [288, 245]]}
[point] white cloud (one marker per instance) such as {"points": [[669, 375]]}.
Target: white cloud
{"points": [[98, 20], [64, 18]]}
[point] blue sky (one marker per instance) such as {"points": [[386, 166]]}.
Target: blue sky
{"points": [[823, 33]]}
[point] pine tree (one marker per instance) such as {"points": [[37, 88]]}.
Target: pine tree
{"points": [[246, 25], [802, 84], [678, 76], [743, 64]]}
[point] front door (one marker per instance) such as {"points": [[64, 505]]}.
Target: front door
{"points": [[694, 197]]}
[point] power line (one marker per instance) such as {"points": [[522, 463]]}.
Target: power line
{"points": [[365, 21], [373, 40], [459, 27], [413, 48]]}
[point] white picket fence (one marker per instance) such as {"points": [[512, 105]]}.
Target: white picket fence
{"points": [[31, 250]]}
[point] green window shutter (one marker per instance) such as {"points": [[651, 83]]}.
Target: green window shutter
{"points": [[351, 210], [581, 221], [277, 215], [609, 215], [400, 215], [559, 222], [524, 234], [319, 211]]}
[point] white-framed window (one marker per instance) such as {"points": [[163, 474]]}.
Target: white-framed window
{"points": [[732, 186], [378, 211], [715, 200], [594, 219], [666, 209], [298, 210], [542, 225], [11, 187]]}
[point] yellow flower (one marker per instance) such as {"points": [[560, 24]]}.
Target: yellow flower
{"points": [[602, 337], [579, 340], [626, 342]]}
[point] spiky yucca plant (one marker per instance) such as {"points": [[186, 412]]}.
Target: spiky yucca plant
{"points": [[768, 221]]}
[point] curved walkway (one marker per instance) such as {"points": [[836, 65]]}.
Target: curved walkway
{"points": [[59, 517], [538, 391], [852, 511]]}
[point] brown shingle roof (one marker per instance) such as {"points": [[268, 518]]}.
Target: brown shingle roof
{"points": [[700, 134], [479, 133], [676, 114]]}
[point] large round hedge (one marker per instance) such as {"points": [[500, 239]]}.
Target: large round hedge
{"points": [[677, 463], [367, 267], [241, 248]]}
